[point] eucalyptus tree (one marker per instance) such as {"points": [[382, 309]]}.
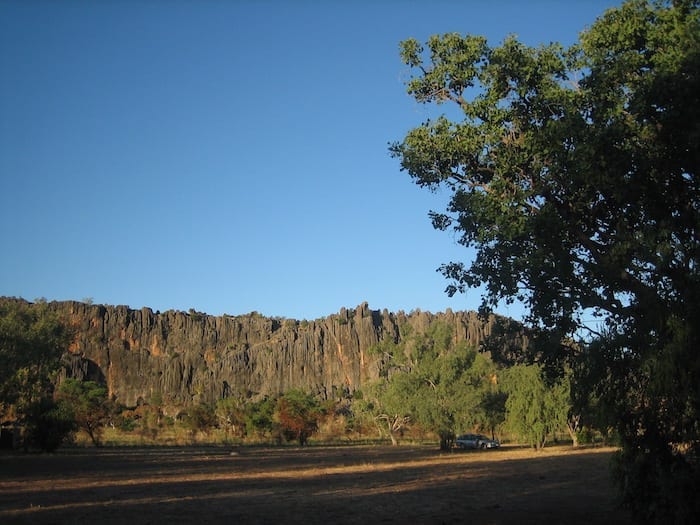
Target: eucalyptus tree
{"points": [[434, 381], [573, 173]]}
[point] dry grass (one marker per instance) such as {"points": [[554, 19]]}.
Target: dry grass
{"points": [[311, 485]]}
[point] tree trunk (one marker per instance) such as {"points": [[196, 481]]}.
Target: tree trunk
{"points": [[394, 441], [572, 425]]}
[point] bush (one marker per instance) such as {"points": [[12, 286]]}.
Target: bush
{"points": [[658, 487], [297, 414], [199, 418], [47, 425]]}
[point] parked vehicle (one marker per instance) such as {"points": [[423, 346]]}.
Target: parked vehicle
{"points": [[485, 442], [467, 441], [475, 441]]}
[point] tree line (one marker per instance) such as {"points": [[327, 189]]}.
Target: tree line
{"points": [[41, 408], [428, 382]]}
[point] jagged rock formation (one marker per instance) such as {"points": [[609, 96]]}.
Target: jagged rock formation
{"points": [[193, 357]]}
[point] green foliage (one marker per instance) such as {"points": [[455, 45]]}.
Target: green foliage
{"points": [[573, 175], [125, 421], [199, 418], [534, 410], [572, 171], [259, 417], [433, 381], [657, 487], [150, 420], [32, 340], [365, 407], [480, 397], [230, 413], [87, 402], [491, 411], [47, 424], [650, 401], [297, 413]]}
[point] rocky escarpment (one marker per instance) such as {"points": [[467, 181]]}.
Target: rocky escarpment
{"points": [[186, 357]]}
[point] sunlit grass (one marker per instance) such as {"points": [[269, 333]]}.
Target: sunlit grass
{"points": [[176, 436]]}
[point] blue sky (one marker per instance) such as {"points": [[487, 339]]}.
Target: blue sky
{"points": [[229, 156]]}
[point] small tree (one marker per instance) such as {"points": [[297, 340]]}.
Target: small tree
{"points": [[534, 410], [149, 419], [393, 404], [87, 402], [367, 409], [297, 414], [199, 418], [259, 417], [230, 413]]}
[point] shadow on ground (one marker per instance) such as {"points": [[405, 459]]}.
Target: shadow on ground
{"points": [[311, 485]]}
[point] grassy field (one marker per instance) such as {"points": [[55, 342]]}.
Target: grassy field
{"points": [[328, 485]]}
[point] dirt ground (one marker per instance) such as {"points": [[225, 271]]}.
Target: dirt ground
{"points": [[312, 485]]}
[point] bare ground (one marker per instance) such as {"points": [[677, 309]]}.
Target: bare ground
{"points": [[314, 485]]}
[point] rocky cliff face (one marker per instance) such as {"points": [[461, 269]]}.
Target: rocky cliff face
{"points": [[193, 357]]}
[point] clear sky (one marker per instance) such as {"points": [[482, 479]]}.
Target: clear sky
{"points": [[229, 156]]}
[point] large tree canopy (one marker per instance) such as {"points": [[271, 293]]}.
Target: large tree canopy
{"points": [[573, 173]]}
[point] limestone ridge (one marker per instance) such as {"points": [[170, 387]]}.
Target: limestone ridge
{"points": [[192, 357]]}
